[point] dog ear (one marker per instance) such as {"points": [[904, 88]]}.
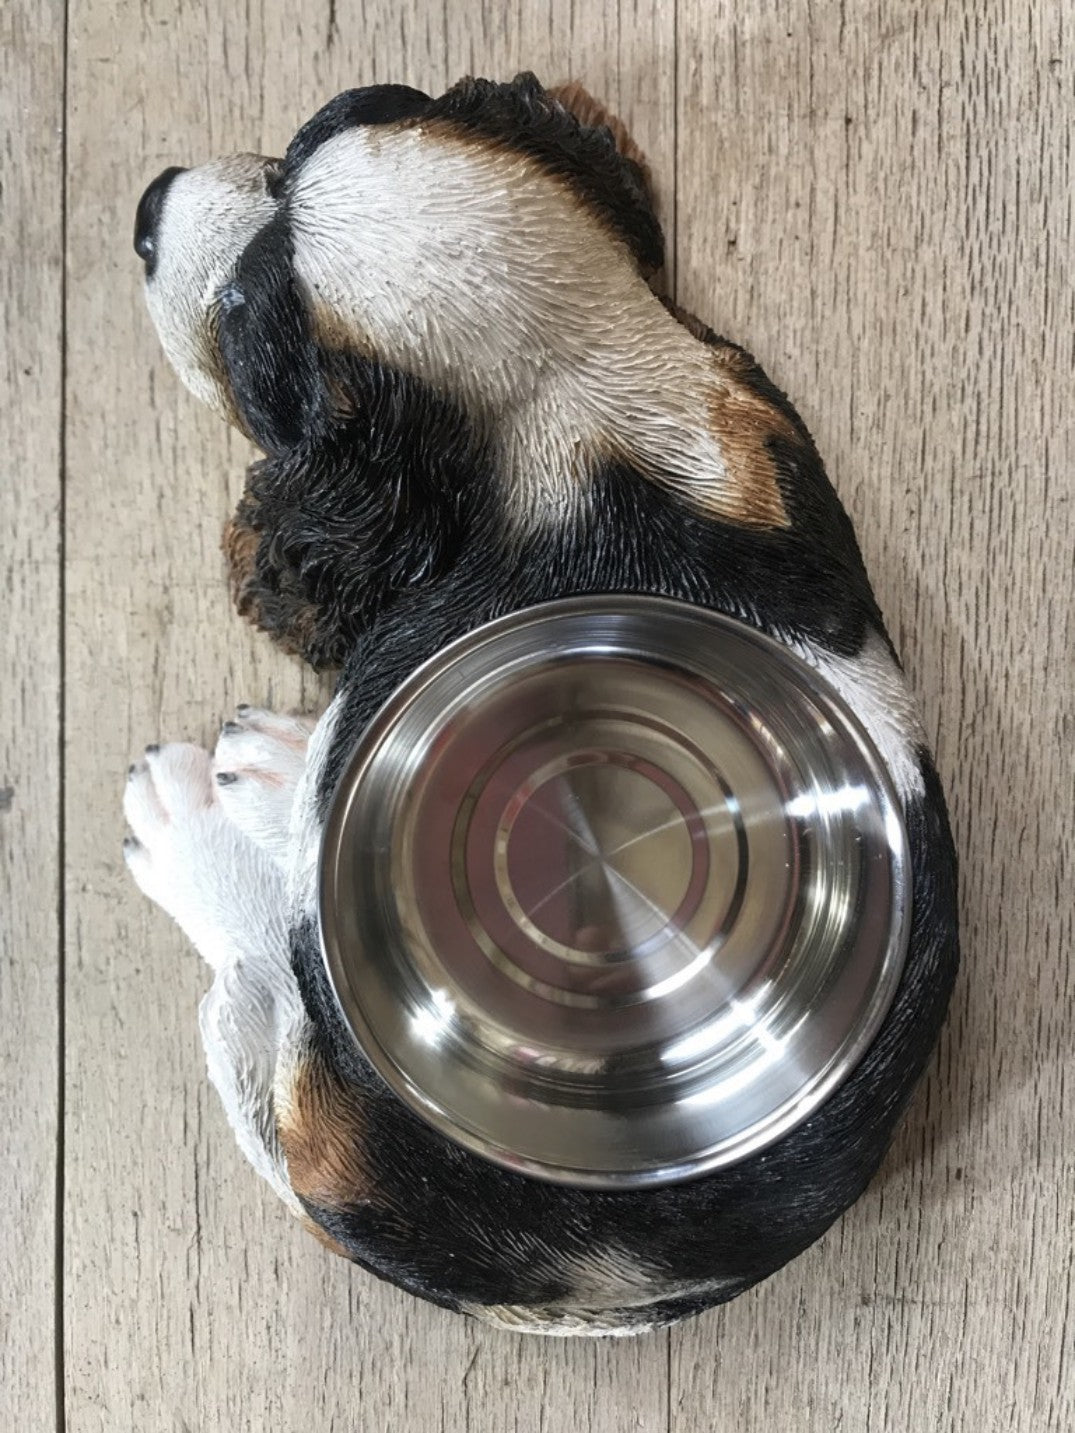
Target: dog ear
{"points": [[270, 360], [374, 104], [385, 499], [571, 136]]}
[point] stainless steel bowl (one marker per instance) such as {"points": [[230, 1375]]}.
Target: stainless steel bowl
{"points": [[614, 891]]}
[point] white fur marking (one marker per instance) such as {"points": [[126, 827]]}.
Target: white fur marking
{"points": [[605, 1285], [261, 757], [304, 839], [875, 689], [469, 267], [208, 217], [228, 896]]}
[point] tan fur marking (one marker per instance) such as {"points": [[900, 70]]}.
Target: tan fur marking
{"points": [[240, 543], [742, 422], [324, 1238], [323, 1134], [300, 634], [213, 364], [593, 114], [297, 741], [335, 334]]}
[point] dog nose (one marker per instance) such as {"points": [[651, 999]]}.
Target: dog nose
{"points": [[147, 219]]}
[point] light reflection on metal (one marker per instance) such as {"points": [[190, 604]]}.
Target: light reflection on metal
{"points": [[613, 891]]}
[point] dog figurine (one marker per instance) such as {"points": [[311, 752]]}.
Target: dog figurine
{"points": [[435, 319]]}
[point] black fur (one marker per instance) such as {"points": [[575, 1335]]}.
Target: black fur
{"points": [[381, 500], [147, 218], [271, 363], [374, 104], [397, 491]]}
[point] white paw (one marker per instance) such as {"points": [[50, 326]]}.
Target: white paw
{"points": [[195, 862], [227, 894], [259, 760]]}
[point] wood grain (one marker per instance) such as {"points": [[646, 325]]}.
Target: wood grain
{"points": [[31, 267], [885, 217], [877, 199]]}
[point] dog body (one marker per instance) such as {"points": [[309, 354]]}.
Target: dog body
{"points": [[434, 318]]}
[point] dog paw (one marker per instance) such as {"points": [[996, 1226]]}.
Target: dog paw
{"points": [[259, 759], [190, 857]]}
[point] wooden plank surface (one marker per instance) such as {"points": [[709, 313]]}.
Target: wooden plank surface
{"points": [[31, 269], [877, 200]]}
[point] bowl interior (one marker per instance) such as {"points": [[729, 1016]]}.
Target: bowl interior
{"points": [[613, 891]]}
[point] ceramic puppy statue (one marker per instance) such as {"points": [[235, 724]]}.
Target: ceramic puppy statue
{"points": [[434, 319]]}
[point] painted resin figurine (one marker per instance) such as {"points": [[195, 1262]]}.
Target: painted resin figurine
{"points": [[435, 320]]}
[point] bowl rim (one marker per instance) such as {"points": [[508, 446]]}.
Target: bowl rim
{"points": [[756, 1137]]}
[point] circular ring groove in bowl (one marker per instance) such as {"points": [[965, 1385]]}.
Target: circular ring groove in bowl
{"points": [[613, 891]]}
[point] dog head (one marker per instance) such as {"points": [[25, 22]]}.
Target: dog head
{"points": [[435, 318], [419, 293], [462, 241]]}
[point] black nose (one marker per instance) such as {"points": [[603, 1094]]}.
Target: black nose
{"points": [[147, 220]]}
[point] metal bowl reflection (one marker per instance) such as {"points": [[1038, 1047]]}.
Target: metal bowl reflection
{"points": [[613, 891]]}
